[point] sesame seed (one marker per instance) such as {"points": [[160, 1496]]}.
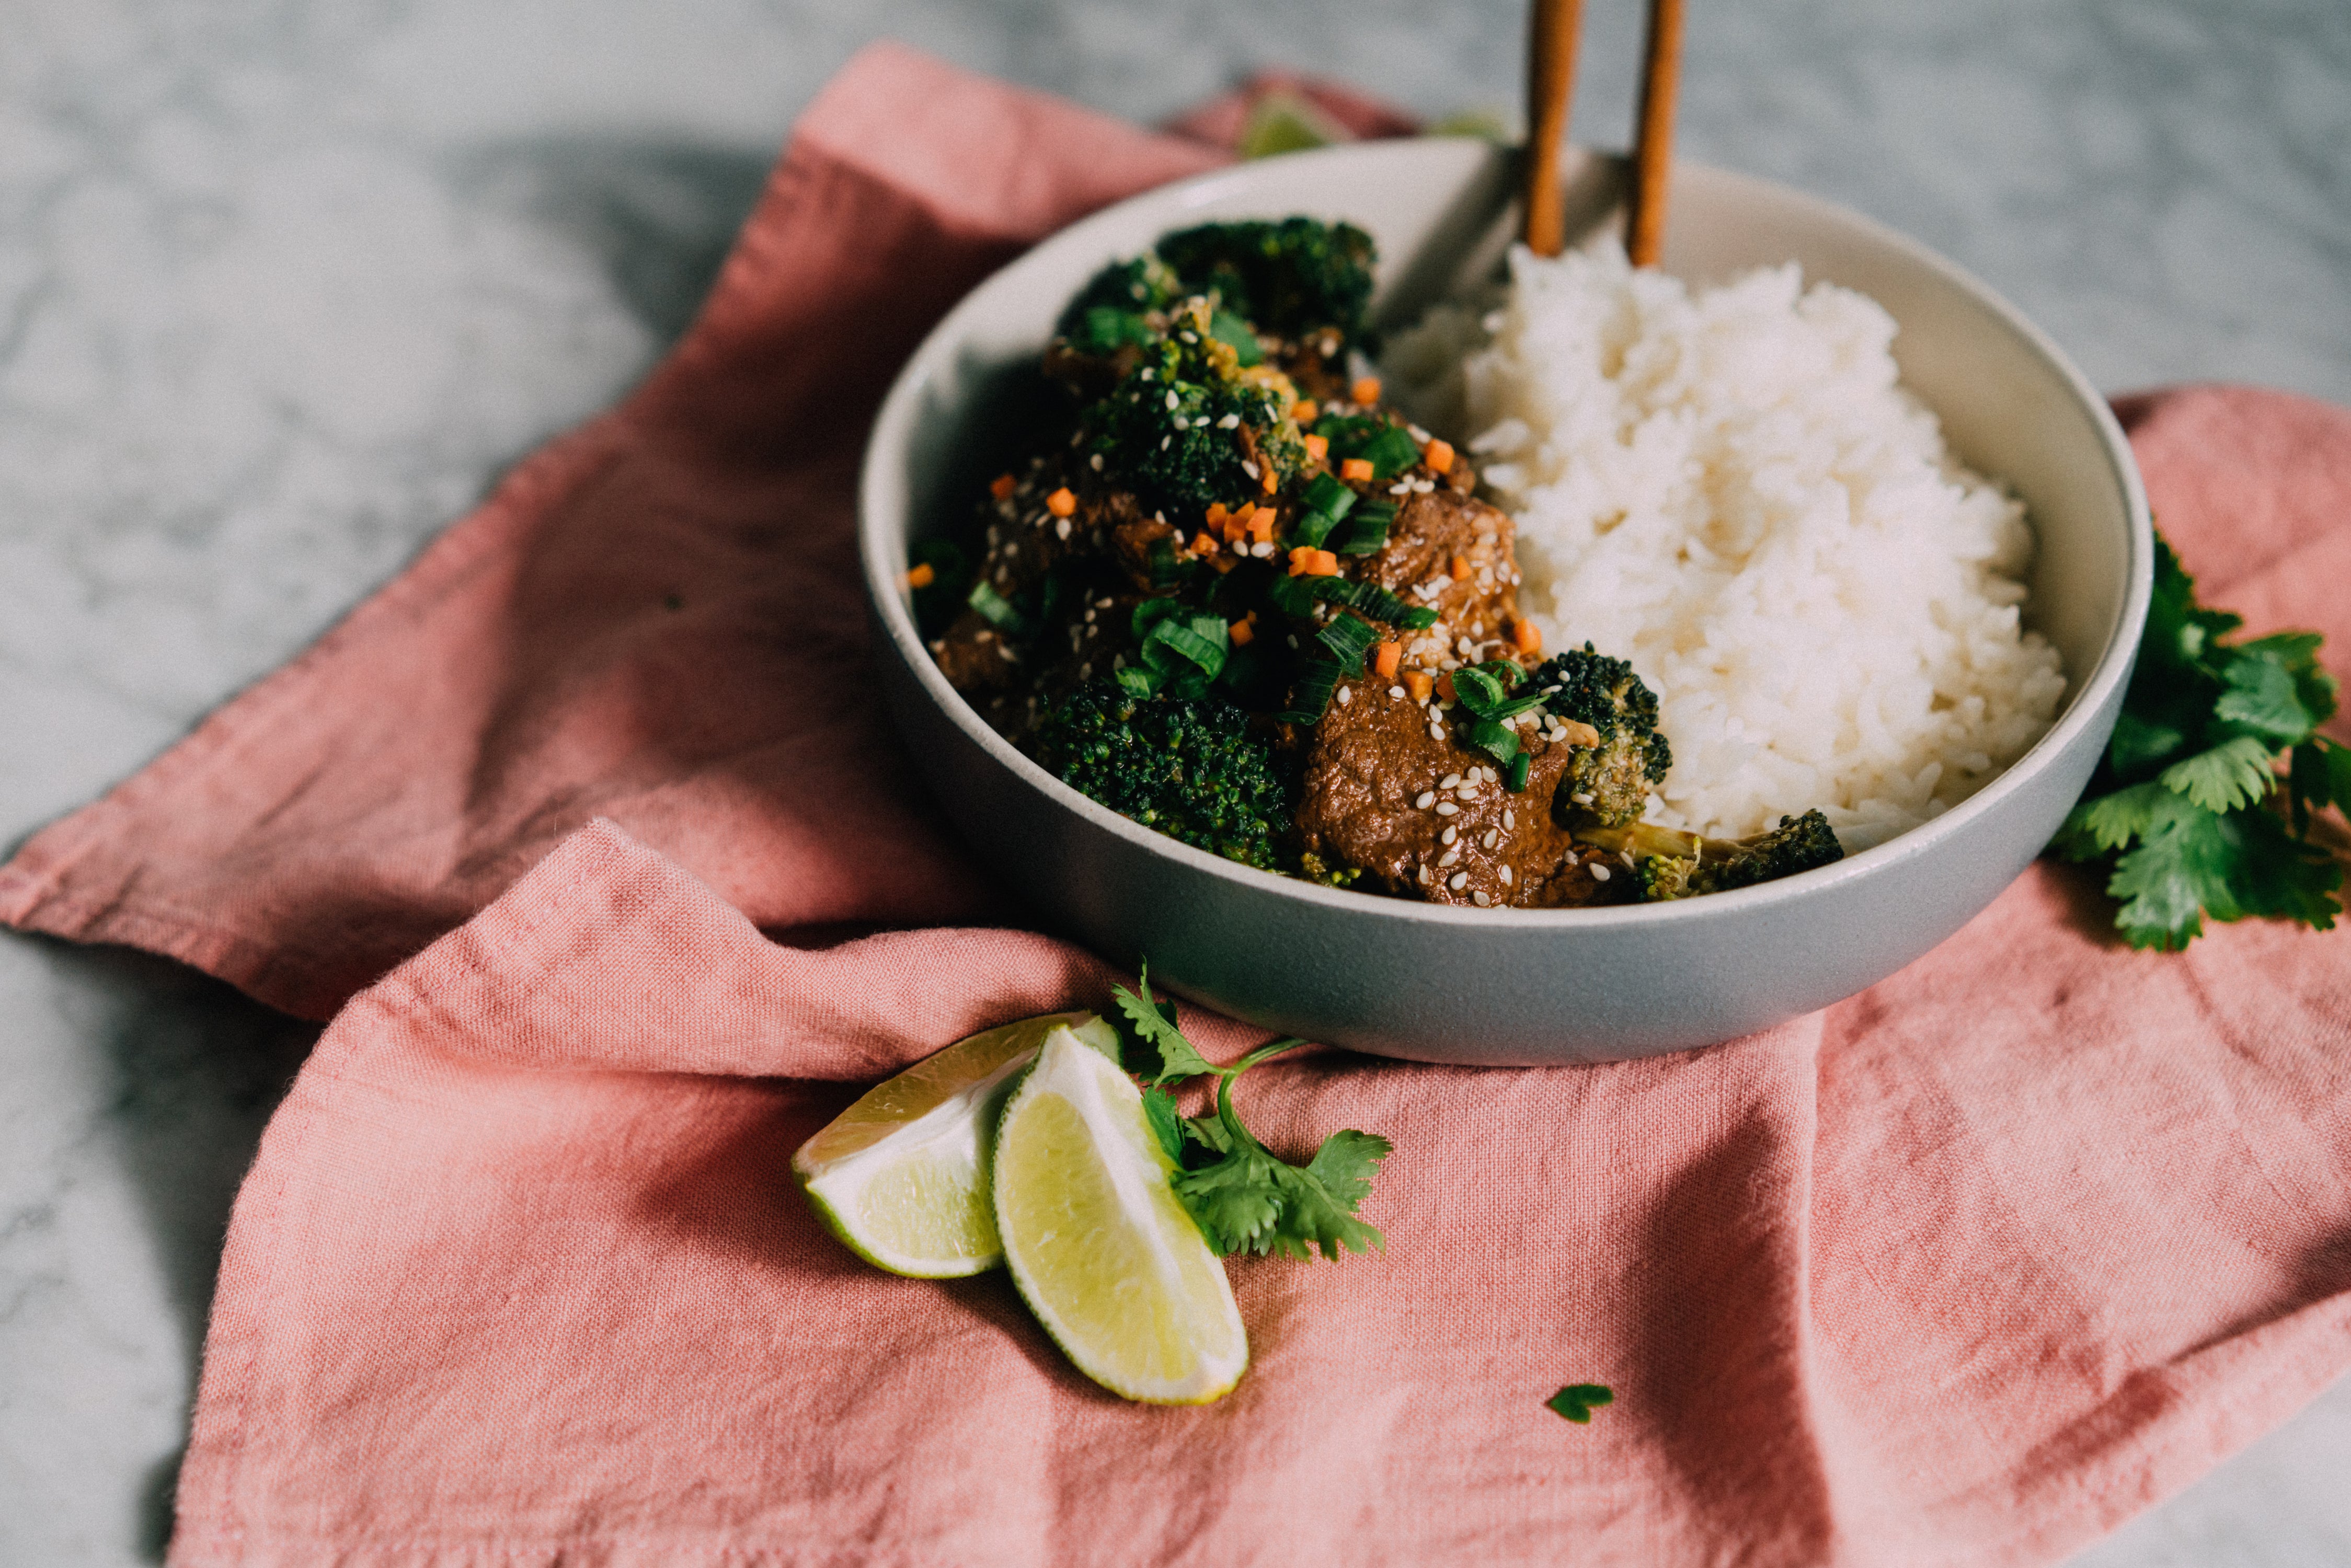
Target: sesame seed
{"points": [[1449, 781], [1507, 878], [1173, 401], [1468, 791], [1230, 422], [1457, 880], [1189, 337], [1250, 468], [1396, 691], [1180, 422], [1062, 529], [1446, 808], [1262, 549], [1510, 817], [1481, 900], [1346, 695], [1425, 878], [1164, 441], [1580, 799], [1084, 671], [1493, 836], [1436, 732], [1096, 461], [1448, 857], [1425, 799], [1104, 603], [1626, 856], [1449, 835], [1599, 872]]}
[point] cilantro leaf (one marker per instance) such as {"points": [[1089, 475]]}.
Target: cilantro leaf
{"points": [[1243, 1197], [1238, 1201], [2232, 774], [2188, 804], [2141, 741], [1166, 1122], [2264, 700], [1577, 1401], [2197, 863], [1153, 1047], [2112, 822]]}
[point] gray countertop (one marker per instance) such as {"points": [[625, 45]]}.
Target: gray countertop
{"points": [[284, 287]]}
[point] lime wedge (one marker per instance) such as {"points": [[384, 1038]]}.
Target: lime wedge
{"points": [[901, 1176], [1099, 1244]]}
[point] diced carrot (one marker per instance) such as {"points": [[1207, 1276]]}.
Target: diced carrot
{"points": [[1386, 657], [922, 576], [1002, 486], [1322, 564], [1305, 412], [1204, 543], [1365, 389], [1216, 514], [1318, 447], [1244, 512], [1061, 503], [1459, 568], [1269, 482], [1243, 630], [1355, 468], [1438, 455], [1417, 684], [1261, 526], [1528, 636]]}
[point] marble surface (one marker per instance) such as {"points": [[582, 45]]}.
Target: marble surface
{"points": [[285, 282]]}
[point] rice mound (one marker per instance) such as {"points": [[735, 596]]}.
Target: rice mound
{"points": [[1729, 488]]}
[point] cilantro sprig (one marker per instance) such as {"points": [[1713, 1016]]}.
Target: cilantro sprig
{"points": [[1244, 1197], [2189, 806]]}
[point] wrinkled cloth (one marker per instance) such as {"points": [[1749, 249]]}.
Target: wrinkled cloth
{"points": [[1964, 1270]]}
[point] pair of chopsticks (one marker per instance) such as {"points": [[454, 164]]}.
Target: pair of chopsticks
{"points": [[1550, 78]]}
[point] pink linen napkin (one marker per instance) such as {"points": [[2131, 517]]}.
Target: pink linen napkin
{"points": [[1964, 1270]]}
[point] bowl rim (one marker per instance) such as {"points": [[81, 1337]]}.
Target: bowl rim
{"points": [[892, 430]]}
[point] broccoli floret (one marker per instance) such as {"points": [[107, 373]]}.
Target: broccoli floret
{"points": [[1287, 278], [1115, 308], [1680, 865], [1612, 780], [1188, 767], [1162, 431]]}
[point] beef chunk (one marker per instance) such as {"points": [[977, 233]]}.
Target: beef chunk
{"points": [[1372, 761]]}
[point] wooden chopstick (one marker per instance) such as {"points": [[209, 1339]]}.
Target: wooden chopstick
{"points": [[1653, 151], [1551, 79]]}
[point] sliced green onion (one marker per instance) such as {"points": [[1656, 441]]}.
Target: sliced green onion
{"points": [[1515, 775], [1150, 614], [1391, 452], [1317, 679], [1370, 533], [1183, 640], [1310, 527], [1138, 681], [1327, 496], [1349, 639], [1499, 741], [995, 609], [1230, 330], [1480, 693]]}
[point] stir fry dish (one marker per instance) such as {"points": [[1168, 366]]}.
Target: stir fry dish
{"points": [[1227, 592]]}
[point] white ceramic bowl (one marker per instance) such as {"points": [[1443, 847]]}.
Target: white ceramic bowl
{"points": [[1466, 985]]}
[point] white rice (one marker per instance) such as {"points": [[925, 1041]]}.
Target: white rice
{"points": [[1729, 488]]}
